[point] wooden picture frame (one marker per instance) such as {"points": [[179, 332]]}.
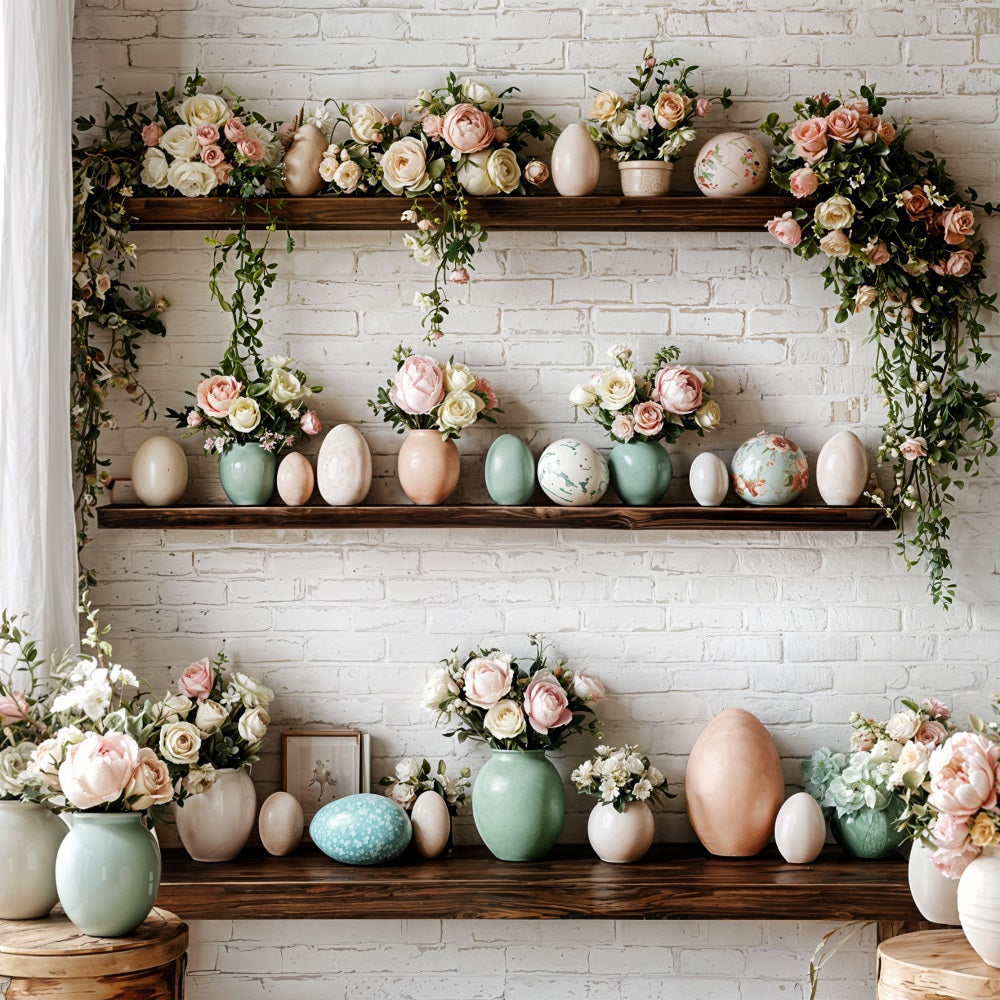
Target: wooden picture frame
{"points": [[320, 765]]}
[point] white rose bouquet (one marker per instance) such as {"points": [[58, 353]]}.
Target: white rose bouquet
{"points": [[413, 776], [660, 404], [618, 776]]}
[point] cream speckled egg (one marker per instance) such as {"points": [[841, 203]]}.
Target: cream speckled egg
{"points": [[295, 479], [431, 824], [159, 471], [344, 467], [800, 829], [572, 473], [280, 823]]}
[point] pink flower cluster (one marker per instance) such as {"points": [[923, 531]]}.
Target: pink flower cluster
{"points": [[103, 768], [812, 136]]}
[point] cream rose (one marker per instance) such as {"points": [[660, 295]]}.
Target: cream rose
{"points": [[180, 742], [864, 297], [606, 105], [404, 167], [347, 176], [835, 213], [903, 725], [615, 388], [252, 693], [13, 763], [459, 410], [244, 416], [624, 129], [480, 94], [210, 716], [181, 142], [171, 708], [366, 123], [473, 175], [199, 779], [407, 768], [403, 795], [154, 169], [503, 170], [285, 386], [150, 784], [671, 109], [588, 688], [192, 179], [253, 725], [504, 720], [835, 244], [439, 690], [583, 396], [205, 109], [708, 415], [458, 378]]}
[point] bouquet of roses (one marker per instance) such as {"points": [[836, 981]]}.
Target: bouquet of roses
{"points": [[658, 405], [618, 776], [426, 396], [413, 777], [509, 707], [354, 164], [656, 121]]}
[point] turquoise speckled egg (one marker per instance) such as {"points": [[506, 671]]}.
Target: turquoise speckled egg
{"points": [[361, 829], [769, 470], [510, 471], [572, 473]]}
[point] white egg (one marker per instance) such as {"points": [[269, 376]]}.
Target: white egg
{"points": [[431, 823], [280, 823], [800, 829], [295, 479], [344, 467], [159, 471], [572, 473], [708, 479], [842, 470], [576, 162]]}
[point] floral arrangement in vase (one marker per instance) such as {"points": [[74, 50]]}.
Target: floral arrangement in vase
{"points": [[898, 239], [413, 776], [618, 776]]}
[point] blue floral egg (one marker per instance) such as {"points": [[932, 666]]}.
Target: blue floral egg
{"points": [[361, 829], [769, 470]]}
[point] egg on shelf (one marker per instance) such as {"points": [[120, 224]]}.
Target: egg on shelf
{"points": [[572, 474], [280, 823], [295, 479]]}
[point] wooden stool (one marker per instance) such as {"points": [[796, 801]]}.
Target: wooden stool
{"points": [[934, 965], [49, 959]]}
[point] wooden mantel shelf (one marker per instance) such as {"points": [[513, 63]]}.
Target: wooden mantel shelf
{"points": [[741, 517], [676, 881], [672, 213]]}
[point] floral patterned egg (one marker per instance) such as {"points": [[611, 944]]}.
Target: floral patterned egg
{"points": [[769, 470], [572, 473], [731, 164], [361, 829]]}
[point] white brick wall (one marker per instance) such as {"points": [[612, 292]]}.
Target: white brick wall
{"points": [[799, 628]]}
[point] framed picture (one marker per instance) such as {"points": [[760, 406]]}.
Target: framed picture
{"points": [[318, 766]]}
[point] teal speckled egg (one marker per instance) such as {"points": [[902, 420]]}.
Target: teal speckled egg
{"points": [[510, 471], [769, 470], [361, 829]]}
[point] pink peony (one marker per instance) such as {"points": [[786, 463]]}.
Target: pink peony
{"points": [[810, 139], [207, 135], [467, 129], [648, 418], [217, 394], [13, 708], [913, 448], [954, 849], [431, 126], [309, 422], [194, 419], [419, 385], [234, 130], [222, 172], [623, 427], [460, 276], [957, 223], [703, 107], [678, 390], [98, 769], [964, 774], [487, 681], [802, 182], [213, 155], [546, 704], [251, 149], [151, 134], [931, 732], [785, 230], [197, 679], [959, 264], [842, 125]]}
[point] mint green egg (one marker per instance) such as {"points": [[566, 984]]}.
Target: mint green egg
{"points": [[510, 471]]}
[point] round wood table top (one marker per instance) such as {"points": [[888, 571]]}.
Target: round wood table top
{"points": [[52, 948], [936, 965]]}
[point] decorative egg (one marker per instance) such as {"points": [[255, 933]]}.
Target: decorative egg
{"points": [[734, 785], [431, 823], [295, 479], [159, 471], [769, 470], [361, 829], [572, 473], [730, 165], [344, 467], [708, 479], [301, 163], [280, 823], [576, 162], [800, 829], [510, 471], [842, 470]]}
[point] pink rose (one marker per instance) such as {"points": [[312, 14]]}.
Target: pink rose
{"points": [[810, 139], [588, 688], [913, 448], [623, 427], [487, 681], [644, 117], [879, 254], [842, 125], [916, 203], [467, 129], [419, 385], [964, 774], [396, 118], [954, 849], [860, 106], [785, 230], [703, 107], [194, 419], [485, 388], [98, 769], [678, 390], [802, 182], [222, 172], [426, 226], [235, 131], [207, 135], [500, 133], [309, 422], [648, 418], [546, 704], [957, 223], [959, 264], [460, 276], [431, 126], [213, 155], [251, 149], [13, 708], [886, 131], [931, 732], [151, 134], [150, 784], [217, 394], [937, 709], [535, 172], [197, 679]]}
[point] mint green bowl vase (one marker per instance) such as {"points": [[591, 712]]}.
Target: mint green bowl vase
{"points": [[248, 474], [640, 472], [870, 833]]}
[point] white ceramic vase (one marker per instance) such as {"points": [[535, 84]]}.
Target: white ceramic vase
{"points": [[620, 837], [30, 836], [979, 905], [645, 178], [576, 162], [214, 825], [935, 895], [842, 470]]}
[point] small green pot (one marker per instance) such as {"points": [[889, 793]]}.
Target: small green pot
{"points": [[248, 474], [640, 472], [870, 833]]}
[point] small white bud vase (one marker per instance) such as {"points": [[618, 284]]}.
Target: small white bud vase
{"points": [[935, 895], [620, 837], [576, 162], [842, 470], [215, 824], [979, 905]]}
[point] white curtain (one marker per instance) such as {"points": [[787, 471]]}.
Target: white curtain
{"points": [[37, 526]]}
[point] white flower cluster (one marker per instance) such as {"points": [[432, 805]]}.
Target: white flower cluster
{"points": [[618, 775], [93, 688]]}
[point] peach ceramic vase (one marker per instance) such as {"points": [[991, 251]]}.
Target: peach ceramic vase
{"points": [[428, 467]]}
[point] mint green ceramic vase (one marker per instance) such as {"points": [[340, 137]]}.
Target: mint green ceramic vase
{"points": [[519, 804], [108, 873], [870, 833], [248, 474], [640, 472]]}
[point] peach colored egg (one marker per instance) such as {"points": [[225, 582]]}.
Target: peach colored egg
{"points": [[280, 823], [295, 479]]}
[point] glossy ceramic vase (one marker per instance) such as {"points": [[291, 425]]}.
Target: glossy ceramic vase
{"points": [[870, 833], [645, 178], [842, 470], [640, 472], [428, 467], [576, 162], [935, 895], [30, 836], [159, 472], [769, 471], [731, 165], [519, 804], [248, 474], [620, 837], [979, 905], [108, 873], [215, 824]]}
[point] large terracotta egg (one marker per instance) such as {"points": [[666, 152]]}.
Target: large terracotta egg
{"points": [[159, 471], [361, 829], [280, 823], [734, 785], [295, 479], [572, 473], [431, 824], [842, 470], [344, 467], [800, 829], [730, 165]]}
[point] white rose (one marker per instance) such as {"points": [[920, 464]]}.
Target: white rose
{"points": [[253, 726], [346, 176], [366, 123], [13, 762], [244, 414], [504, 720], [588, 688], [624, 129], [404, 795], [180, 743], [583, 395], [903, 725], [204, 109], [654, 775], [181, 142], [886, 752], [440, 688], [193, 180], [480, 94], [199, 779], [404, 167], [473, 175], [210, 716], [171, 708], [284, 386], [835, 213], [408, 767], [615, 388], [708, 415], [252, 693], [154, 169], [328, 169], [459, 409], [503, 170], [458, 378]]}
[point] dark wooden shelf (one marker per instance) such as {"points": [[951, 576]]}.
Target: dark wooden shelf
{"points": [[673, 213], [676, 881], [737, 517]]}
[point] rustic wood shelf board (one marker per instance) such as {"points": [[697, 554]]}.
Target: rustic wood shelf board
{"points": [[677, 881], [740, 517], [672, 213]]}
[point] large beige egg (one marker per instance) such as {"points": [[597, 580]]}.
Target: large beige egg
{"points": [[734, 785], [431, 823], [842, 470], [344, 467], [295, 479], [280, 823], [800, 829], [159, 471]]}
